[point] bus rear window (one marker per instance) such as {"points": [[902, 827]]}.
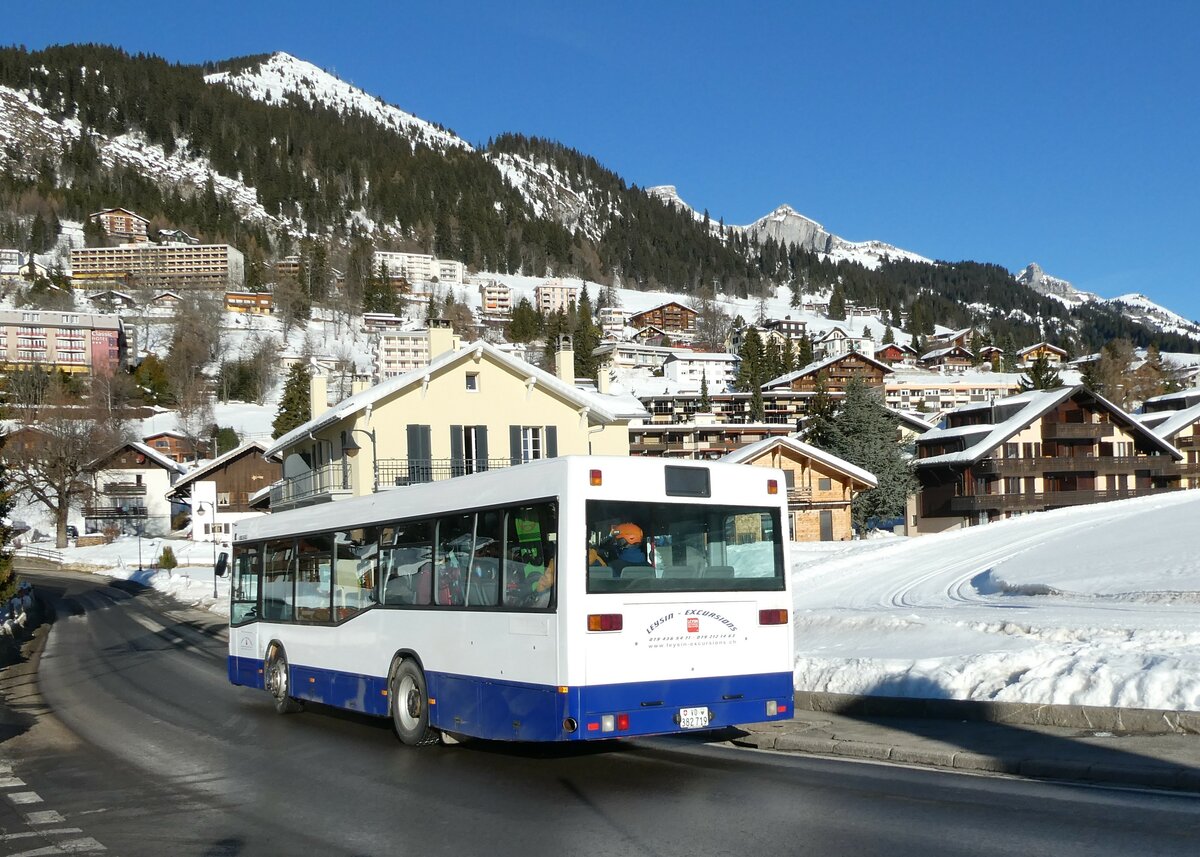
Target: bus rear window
{"points": [[682, 547]]}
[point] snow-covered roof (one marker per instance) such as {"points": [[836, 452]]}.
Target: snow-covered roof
{"points": [[711, 356], [1173, 423], [821, 364], [945, 352], [151, 455], [602, 408], [1042, 345], [166, 433], [1180, 395], [206, 468], [1034, 403], [753, 450]]}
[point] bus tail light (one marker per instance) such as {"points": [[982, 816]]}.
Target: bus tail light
{"points": [[622, 722], [772, 486], [774, 708], [772, 617], [595, 477], [605, 621]]}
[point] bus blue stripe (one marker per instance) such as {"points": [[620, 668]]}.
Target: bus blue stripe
{"points": [[515, 711]]}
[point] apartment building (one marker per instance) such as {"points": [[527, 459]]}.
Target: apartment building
{"points": [[495, 298], [399, 352], [673, 318], [420, 267], [838, 341], [613, 321], [122, 224], [689, 368], [1038, 450], [74, 342], [255, 303], [1175, 418], [701, 438], [553, 296], [912, 389], [176, 266]]}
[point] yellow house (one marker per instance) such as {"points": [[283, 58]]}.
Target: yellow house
{"points": [[820, 486], [472, 408]]}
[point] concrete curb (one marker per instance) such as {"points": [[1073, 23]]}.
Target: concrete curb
{"points": [[1094, 718], [1172, 777]]}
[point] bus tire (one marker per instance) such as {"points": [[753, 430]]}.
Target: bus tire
{"points": [[278, 680], [409, 700]]}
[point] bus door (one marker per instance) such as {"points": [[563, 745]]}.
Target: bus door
{"points": [[245, 610]]}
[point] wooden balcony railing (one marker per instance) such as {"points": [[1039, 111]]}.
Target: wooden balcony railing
{"points": [[1045, 499], [1072, 464], [1075, 431]]}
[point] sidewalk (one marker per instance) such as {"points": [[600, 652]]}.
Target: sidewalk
{"points": [[1161, 761]]}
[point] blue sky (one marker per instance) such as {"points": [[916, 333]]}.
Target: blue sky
{"points": [[1061, 133]]}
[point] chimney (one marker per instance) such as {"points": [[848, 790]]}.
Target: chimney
{"points": [[564, 360], [603, 380], [318, 396], [441, 338], [359, 384]]}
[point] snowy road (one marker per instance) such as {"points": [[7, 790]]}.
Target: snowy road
{"points": [[1095, 605]]}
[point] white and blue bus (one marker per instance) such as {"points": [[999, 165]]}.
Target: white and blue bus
{"points": [[566, 599]]}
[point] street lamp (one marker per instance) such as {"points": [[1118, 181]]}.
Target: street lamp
{"points": [[212, 528], [351, 446]]}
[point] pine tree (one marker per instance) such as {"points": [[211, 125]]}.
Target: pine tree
{"points": [[750, 368], [705, 405], [772, 361], [526, 324], [294, 405], [818, 425], [804, 356], [1041, 376], [758, 412], [889, 338], [837, 303], [8, 581], [586, 338]]}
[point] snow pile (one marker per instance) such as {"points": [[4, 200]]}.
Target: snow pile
{"points": [[1094, 605], [282, 75]]}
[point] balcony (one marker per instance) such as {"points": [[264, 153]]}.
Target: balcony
{"points": [[114, 511], [1191, 441], [398, 472], [800, 494], [123, 489], [1076, 431], [316, 486], [1045, 500], [1071, 464]]}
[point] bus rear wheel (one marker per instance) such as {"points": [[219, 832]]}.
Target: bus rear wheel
{"points": [[409, 701], [278, 681]]}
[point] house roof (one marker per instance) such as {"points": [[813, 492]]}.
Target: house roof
{"points": [[663, 306], [711, 356], [151, 455], [111, 210], [602, 408], [946, 352], [1035, 403], [206, 468], [821, 364], [753, 450], [914, 421], [1171, 422], [953, 334], [166, 433], [1045, 345]]}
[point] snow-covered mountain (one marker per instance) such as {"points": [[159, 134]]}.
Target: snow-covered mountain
{"points": [[1053, 287], [551, 193], [27, 128], [788, 226], [282, 76], [1140, 308]]}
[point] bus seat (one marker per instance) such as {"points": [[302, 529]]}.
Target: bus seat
{"points": [[681, 571], [599, 574], [719, 571], [637, 572]]}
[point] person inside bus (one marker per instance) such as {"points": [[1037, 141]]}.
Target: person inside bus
{"points": [[622, 548]]}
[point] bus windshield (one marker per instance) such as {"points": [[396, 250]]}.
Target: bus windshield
{"points": [[682, 547]]}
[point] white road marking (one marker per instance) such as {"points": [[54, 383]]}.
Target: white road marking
{"points": [[25, 797], [46, 816], [10, 782], [5, 837]]}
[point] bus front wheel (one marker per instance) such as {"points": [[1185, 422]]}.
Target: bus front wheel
{"points": [[279, 684], [409, 701]]}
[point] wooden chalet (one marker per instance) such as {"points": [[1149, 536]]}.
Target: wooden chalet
{"points": [[836, 373], [672, 317]]}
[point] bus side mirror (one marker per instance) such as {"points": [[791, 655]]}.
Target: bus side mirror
{"points": [[222, 565]]}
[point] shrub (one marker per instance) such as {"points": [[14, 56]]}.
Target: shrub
{"points": [[166, 559]]}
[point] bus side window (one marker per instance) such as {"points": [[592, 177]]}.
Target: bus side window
{"points": [[244, 588], [314, 579], [405, 563], [278, 580], [355, 553], [529, 554], [455, 540]]}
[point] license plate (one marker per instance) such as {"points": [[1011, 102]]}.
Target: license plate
{"points": [[693, 718]]}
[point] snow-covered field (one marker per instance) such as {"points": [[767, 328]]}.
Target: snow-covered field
{"points": [[1096, 605]]}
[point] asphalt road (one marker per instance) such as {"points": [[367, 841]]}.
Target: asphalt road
{"points": [[132, 740]]}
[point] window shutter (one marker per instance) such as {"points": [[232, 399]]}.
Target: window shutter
{"points": [[457, 464], [551, 441], [514, 444], [481, 448]]}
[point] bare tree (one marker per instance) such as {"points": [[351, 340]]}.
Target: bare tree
{"points": [[713, 324], [195, 416], [50, 458]]}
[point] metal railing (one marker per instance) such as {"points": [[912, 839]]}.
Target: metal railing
{"points": [[114, 511], [393, 472], [1077, 463], [1047, 499], [329, 479]]}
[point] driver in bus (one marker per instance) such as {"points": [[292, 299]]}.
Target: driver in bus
{"points": [[622, 547]]}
